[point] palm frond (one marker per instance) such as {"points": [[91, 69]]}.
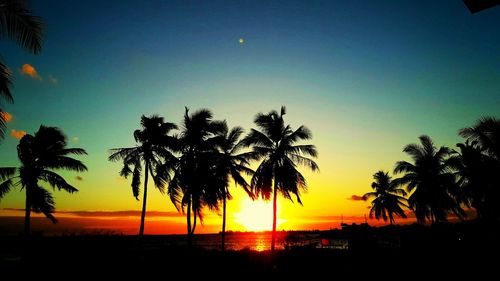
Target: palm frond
{"points": [[5, 187], [76, 151], [67, 163], [368, 195], [174, 192], [302, 133], [160, 178], [19, 24], [257, 138], [262, 180], [42, 202], [304, 161], [56, 180], [233, 138], [48, 140], [125, 171], [309, 150], [136, 180], [403, 167], [121, 153], [427, 144], [414, 150], [5, 83], [7, 172], [289, 180]]}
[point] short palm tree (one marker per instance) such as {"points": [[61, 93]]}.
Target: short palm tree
{"points": [[276, 145], [388, 198], [192, 187], [18, 24], [430, 181], [40, 156], [154, 152], [230, 164]]}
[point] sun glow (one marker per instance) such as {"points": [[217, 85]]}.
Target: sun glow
{"points": [[257, 215]]}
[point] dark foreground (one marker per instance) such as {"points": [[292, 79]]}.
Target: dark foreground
{"points": [[468, 250]]}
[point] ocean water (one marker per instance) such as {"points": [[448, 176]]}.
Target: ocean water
{"points": [[257, 241]]}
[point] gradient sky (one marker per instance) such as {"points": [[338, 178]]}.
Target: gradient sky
{"points": [[367, 77]]}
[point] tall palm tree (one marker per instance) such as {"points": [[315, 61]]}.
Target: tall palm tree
{"points": [[154, 151], [40, 156], [191, 188], [388, 198], [230, 164], [17, 23], [275, 144], [430, 181]]}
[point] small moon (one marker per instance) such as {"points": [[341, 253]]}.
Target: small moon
{"points": [[241, 41]]}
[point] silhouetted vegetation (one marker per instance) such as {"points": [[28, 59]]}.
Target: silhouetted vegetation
{"points": [[432, 185], [479, 168], [154, 152], [193, 185], [388, 198], [230, 165], [199, 163], [40, 155], [17, 23], [275, 146], [442, 181]]}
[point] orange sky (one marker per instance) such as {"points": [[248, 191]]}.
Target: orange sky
{"points": [[127, 222]]}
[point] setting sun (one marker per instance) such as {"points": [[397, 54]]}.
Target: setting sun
{"points": [[256, 215]]}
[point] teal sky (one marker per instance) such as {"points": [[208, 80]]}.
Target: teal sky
{"points": [[367, 77]]}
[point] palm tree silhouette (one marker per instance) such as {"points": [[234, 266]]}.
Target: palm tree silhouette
{"points": [[479, 166], [388, 198], [430, 181], [154, 151], [475, 177], [192, 187], [486, 132], [230, 164], [275, 145], [18, 24], [40, 155]]}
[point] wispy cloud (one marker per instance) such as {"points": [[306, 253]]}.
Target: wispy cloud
{"points": [[52, 79], [17, 134], [75, 139], [111, 214], [78, 178], [28, 69], [357, 198], [7, 117]]}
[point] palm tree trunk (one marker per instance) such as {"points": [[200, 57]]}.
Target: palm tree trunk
{"points": [[275, 207], [143, 214], [223, 222], [194, 221], [188, 218], [391, 219], [27, 213]]}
